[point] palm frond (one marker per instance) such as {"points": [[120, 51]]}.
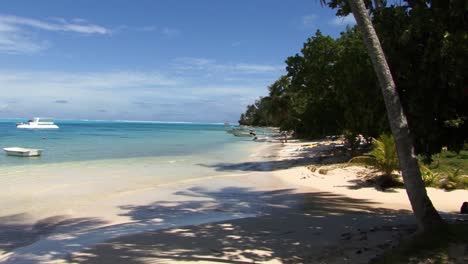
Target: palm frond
{"points": [[384, 151], [383, 156]]}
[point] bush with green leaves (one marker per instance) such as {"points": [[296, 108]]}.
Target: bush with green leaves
{"points": [[447, 171], [383, 156], [454, 179], [430, 178]]}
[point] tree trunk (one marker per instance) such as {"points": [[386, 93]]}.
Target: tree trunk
{"points": [[426, 215]]}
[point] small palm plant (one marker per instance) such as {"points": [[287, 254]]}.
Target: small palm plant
{"points": [[383, 158], [455, 180]]}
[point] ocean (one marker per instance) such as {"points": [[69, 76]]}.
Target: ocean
{"points": [[111, 140], [117, 156], [84, 162], [97, 180]]}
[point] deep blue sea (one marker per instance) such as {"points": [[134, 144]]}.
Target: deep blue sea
{"points": [[104, 140]]}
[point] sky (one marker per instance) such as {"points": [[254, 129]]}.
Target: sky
{"points": [[160, 60]]}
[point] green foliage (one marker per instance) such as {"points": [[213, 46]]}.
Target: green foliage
{"points": [[430, 178], [383, 156], [272, 110], [447, 171], [454, 180], [330, 87], [384, 151], [445, 162], [429, 68]]}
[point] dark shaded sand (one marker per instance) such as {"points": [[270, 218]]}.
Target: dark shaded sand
{"points": [[328, 227]]}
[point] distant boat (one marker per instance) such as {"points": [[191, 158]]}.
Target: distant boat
{"points": [[38, 123], [242, 132], [22, 152]]}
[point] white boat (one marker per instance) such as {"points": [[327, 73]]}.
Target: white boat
{"points": [[22, 152], [38, 123]]}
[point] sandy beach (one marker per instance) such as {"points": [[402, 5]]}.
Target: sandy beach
{"points": [[269, 209]]}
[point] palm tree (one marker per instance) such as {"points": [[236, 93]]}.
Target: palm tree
{"points": [[426, 215]]}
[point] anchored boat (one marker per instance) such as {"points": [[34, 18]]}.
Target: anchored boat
{"points": [[38, 123], [22, 152]]}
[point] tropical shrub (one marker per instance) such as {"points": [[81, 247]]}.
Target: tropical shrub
{"points": [[430, 178], [454, 180], [383, 156]]}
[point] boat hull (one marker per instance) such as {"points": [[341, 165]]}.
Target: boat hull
{"points": [[23, 152], [28, 126], [38, 123]]}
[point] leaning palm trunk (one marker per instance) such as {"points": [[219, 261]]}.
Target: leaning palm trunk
{"points": [[426, 215]]}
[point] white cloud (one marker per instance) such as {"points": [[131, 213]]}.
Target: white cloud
{"points": [[181, 91], [79, 20], [117, 86], [211, 66], [147, 95], [163, 31], [340, 21], [62, 83], [256, 68], [12, 42], [16, 35], [185, 63], [77, 25], [19, 34]]}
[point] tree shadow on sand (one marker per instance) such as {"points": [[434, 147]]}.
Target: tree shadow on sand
{"points": [[271, 165], [15, 232], [289, 227], [301, 157]]}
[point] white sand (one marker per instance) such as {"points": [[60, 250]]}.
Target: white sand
{"points": [[345, 181], [285, 214]]}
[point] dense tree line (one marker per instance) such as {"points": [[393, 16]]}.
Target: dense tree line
{"points": [[330, 87]]}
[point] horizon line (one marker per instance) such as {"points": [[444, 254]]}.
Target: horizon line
{"points": [[126, 121]]}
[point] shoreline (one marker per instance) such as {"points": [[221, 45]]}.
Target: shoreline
{"points": [[65, 188], [267, 201], [24, 233]]}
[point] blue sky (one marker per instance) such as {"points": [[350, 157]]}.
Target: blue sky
{"points": [[164, 60]]}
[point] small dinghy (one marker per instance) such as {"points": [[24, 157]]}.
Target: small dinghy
{"points": [[23, 152]]}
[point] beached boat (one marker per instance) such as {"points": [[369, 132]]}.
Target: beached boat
{"points": [[22, 152], [241, 132], [38, 123]]}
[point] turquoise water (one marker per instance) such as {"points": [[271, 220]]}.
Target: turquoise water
{"points": [[105, 140]]}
